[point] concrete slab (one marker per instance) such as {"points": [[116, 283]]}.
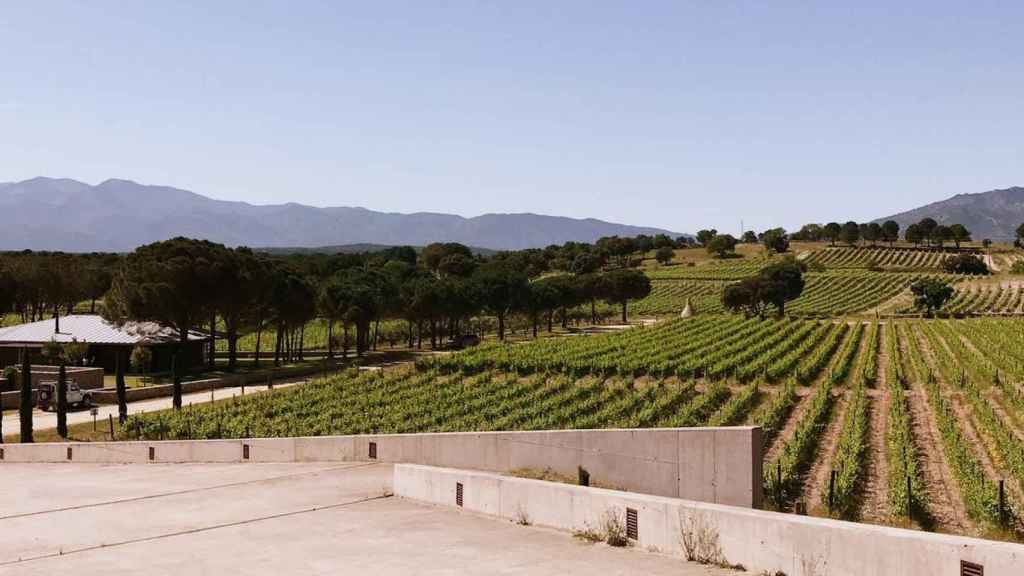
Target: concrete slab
{"points": [[270, 518]]}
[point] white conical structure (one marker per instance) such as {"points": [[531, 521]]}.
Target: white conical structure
{"points": [[688, 310]]}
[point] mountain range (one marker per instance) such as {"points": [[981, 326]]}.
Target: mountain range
{"points": [[119, 215], [994, 214]]}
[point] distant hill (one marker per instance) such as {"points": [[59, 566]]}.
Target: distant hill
{"points": [[119, 215], [349, 249], [994, 214]]}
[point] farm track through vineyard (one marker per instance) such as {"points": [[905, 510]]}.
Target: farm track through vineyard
{"points": [[918, 419]]}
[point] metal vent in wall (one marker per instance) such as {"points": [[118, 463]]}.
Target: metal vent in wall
{"points": [[69, 452], [971, 569], [632, 529], [1, 453], [152, 453], [458, 494], [373, 450], [245, 451]]}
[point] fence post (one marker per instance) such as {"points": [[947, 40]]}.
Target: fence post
{"points": [[1002, 502], [110, 419], [910, 500], [831, 489]]}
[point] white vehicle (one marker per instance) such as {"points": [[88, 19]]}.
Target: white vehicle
{"points": [[47, 396]]}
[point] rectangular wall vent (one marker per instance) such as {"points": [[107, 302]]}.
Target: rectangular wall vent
{"points": [[69, 452], [632, 529], [971, 569], [1, 453], [152, 453], [373, 450], [458, 494], [245, 451]]}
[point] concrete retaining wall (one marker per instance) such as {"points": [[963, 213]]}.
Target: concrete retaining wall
{"points": [[759, 540], [720, 465], [109, 395]]}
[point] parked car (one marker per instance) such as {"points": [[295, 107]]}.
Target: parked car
{"points": [[46, 396], [464, 341]]}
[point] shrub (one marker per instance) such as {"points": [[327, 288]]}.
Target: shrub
{"points": [[965, 264]]}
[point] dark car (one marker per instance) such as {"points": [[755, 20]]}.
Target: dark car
{"points": [[464, 341]]}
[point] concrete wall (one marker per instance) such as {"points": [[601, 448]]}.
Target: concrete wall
{"points": [[720, 465], [759, 540]]}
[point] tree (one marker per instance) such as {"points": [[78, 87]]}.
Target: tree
{"points": [[433, 254], [809, 233], [586, 263], [621, 286], [965, 264], [745, 295], [914, 234], [986, 243], [832, 231], [141, 358], [664, 255], [872, 232], [1019, 235], [58, 354], [781, 283], [959, 234], [25, 405], [940, 235], [775, 240], [930, 294], [501, 291], [927, 227], [749, 237], [168, 283], [890, 231], [850, 233], [721, 245], [773, 286], [705, 236]]}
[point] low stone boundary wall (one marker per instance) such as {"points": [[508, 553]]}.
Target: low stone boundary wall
{"points": [[720, 465], [109, 395], [763, 542]]}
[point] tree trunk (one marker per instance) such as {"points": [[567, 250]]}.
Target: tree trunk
{"points": [[259, 336], [624, 321], [551, 316], [92, 306], [62, 401], [278, 343], [211, 361], [26, 396], [302, 342], [176, 375], [501, 326], [411, 341], [122, 392], [330, 338], [593, 311], [232, 336]]}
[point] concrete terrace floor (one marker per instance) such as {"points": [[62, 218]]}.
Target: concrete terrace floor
{"points": [[242, 519]]}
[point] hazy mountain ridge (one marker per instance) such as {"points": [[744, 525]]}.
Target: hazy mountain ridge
{"points": [[118, 215], [994, 214]]}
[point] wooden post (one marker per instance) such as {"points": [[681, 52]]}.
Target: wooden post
{"points": [[110, 419], [831, 489], [1002, 502], [910, 500]]}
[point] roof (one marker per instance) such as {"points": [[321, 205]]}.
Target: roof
{"points": [[92, 329]]}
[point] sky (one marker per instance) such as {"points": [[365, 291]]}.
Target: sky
{"points": [[681, 115]]}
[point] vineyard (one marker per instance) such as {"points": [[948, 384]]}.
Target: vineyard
{"points": [[878, 257], [908, 422], [825, 294]]}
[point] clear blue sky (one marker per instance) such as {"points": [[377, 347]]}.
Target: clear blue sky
{"points": [[674, 114]]}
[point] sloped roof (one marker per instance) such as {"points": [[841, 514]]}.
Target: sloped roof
{"points": [[92, 329]]}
